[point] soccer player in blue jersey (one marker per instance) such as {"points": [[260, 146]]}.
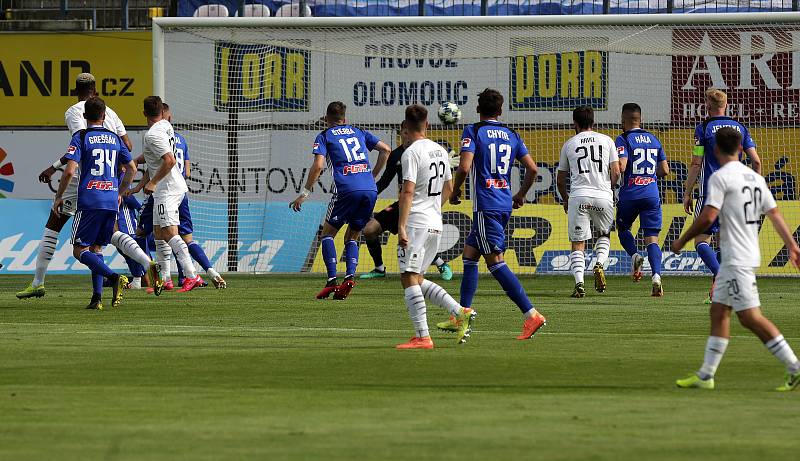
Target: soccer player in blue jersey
{"points": [[489, 149], [704, 164], [101, 154], [642, 161], [344, 148]]}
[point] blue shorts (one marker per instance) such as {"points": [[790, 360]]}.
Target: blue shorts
{"points": [[126, 218], [354, 208], [698, 208], [93, 227], [488, 233], [185, 226], [648, 210], [146, 216]]}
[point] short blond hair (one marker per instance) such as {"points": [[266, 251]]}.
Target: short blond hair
{"points": [[716, 99]]}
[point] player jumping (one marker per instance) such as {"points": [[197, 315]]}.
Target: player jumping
{"points": [[427, 181], [386, 220], [739, 197], [344, 147], [100, 153], [168, 188], [704, 164], [590, 159], [642, 161], [489, 149]]}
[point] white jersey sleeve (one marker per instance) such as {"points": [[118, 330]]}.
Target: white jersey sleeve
{"points": [[563, 162], [74, 120], [427, 164], [114, 123]]}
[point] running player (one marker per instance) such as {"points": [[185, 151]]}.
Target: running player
{"points": [[168, 188], [590, 161], [642, 161], [740, 198], [427, 182], [489, 149], [75, 121], [386, 219], [100, 154], [344, 147], [704, 164]]}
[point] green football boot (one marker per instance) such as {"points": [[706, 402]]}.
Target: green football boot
{"points": [[599, 278], [464, 324], [446, 272], [791, 382], [579, 291], [118, 287], [31, 292], [373, 274], [694, 382], [450, 324]]}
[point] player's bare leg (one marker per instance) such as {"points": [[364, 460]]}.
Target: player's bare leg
{"points": [[197, 253], [577, 265], [47, 247], [351, 257]]}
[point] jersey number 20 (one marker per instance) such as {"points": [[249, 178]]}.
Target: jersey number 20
{"points": [[103, 157]]}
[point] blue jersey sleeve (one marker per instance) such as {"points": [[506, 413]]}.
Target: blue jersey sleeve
{"points": [[124, 155], [661, 155], [370, 139], [622, 151], [747, 141], [320, 147], [74, 149], [185, 150], [522, 149], [468, 139]]}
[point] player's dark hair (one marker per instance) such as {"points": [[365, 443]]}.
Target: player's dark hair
{"points": [[153, 107], [632, 108], [490, 103], [583, 116], [336, 111], [164, 106], [416, 117], [728, 140], [85, 88], [94, 108]]}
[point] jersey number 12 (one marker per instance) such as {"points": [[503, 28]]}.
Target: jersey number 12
{"points": [[351, 148]]}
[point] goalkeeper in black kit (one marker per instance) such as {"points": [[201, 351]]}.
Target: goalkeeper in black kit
{"points": [[387, 219]]}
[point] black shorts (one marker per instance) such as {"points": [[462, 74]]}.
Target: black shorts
{"points": [[389, 217]]}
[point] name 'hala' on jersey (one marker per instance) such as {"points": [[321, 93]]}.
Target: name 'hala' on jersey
{"points": [[495, 147]]}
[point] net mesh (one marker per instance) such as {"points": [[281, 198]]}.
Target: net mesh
{"points": [[248, 100]]}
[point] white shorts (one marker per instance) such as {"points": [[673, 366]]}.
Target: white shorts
{"points": [[423, 245], [589, 214], [166, 210], [736, 287], [70, 197]]}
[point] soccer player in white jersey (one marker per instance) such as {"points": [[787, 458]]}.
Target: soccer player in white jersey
{"points": [[168, 188], [589, 159], [739, 197], [75, 121], [427, 183]]}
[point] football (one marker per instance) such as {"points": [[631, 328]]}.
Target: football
{"points": [[449, 113]]}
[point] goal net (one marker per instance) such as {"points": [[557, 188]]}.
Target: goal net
{"points": [[248, 94]]}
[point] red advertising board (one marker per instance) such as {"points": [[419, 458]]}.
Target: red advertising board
{"points": [[762, 88]]}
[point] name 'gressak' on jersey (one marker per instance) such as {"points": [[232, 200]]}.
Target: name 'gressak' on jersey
{"points": [[705, 139], [98, 152], [346, 149], [643, 151], [495, 148]]}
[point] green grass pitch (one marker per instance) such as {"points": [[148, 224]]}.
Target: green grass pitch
{"points": [[264, 371]]}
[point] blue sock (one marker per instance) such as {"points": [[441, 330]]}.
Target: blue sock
{"points": [[96, 264], [511, 286], [654, 255], [329, 256], [469, 282], [197, 253], [97, 284], [709, 257], [628, 242], [351, 257], [136, 269]]}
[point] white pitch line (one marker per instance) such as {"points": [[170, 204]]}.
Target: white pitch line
{"points": [[170, 329]]}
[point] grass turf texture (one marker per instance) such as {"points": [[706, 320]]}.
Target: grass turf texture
{"points": [[262, 370]]}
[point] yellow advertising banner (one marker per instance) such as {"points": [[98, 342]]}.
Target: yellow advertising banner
{"points": [[37, 74], [537, 242]]}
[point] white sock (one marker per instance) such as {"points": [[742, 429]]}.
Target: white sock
{"points": [[656, 278], [438, 262], [380, 268], [212, 273], [783, 352], [164, 258], [415, 302], [437, 295], [182, 254], [601, 247], [128, 246], [47, 246], [136, 283], [715, 349], [577, 265]]}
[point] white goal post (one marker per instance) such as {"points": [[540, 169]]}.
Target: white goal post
{"points": [[247, 93]]}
